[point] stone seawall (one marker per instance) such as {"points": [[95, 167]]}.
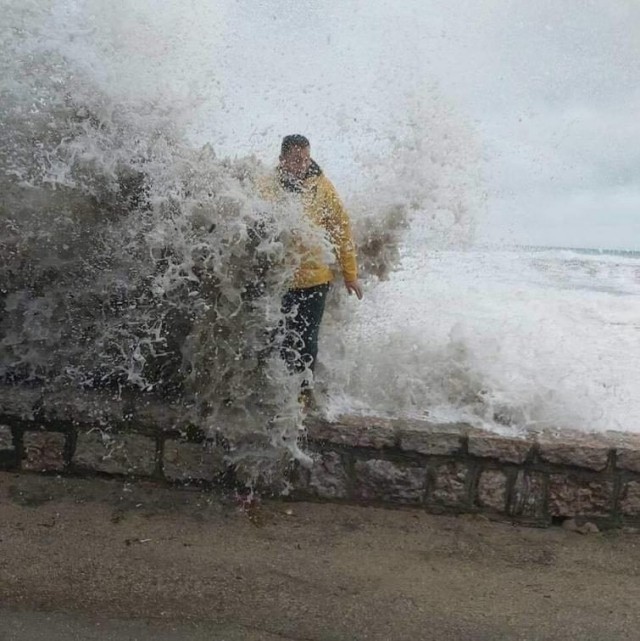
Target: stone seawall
{"points": [[536, 478]]}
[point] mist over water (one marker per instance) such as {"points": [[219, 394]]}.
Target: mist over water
{"points": [[132, 138]]}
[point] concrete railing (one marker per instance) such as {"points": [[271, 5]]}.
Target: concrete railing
{"points": [[534, 478]]}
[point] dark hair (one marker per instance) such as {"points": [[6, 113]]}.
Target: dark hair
{"points": [[294, 140]]}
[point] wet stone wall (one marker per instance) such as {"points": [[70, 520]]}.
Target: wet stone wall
{"points": [[535, 478]]}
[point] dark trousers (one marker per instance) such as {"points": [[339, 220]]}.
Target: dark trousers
{"points": [[303, 310]]}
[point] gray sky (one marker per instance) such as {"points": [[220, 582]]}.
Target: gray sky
{"points": [[551, 90]]}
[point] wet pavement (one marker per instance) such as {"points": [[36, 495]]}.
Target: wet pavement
{"points": [[108, 561]]}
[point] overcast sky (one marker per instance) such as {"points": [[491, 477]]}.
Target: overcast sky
{"points": [[551, 90]]}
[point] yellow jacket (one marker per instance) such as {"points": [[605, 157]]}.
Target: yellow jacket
{"points": [[322, 205]]}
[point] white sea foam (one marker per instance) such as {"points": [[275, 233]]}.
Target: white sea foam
{"points": [[498, 338]]}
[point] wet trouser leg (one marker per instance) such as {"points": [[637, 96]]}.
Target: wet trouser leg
{"points": [[303, 310]]}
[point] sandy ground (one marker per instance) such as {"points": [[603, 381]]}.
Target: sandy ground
{"points": [[103, 560]]}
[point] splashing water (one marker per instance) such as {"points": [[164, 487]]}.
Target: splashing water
{"points": [[131, 257], [505, 340]]}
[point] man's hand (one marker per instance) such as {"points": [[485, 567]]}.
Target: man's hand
{"points": [[354, 287]]}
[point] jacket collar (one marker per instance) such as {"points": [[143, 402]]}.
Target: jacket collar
{"points": [[298, 185]]}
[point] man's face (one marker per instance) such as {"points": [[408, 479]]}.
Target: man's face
{"points": [[296, 161]]}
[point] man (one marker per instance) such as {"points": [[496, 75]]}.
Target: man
{"points": [[303, 304]]}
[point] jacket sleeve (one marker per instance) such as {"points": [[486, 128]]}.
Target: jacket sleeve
{"points": [[339, 229]]}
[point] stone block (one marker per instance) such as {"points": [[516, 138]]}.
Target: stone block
{"points": [[571, 495], [380, 480], [627, 446], [192, 461], [630, 499], [328, 478], [116, 453], [448, 484], [6, 438], [355, 431], [43, 451], [433, 439], [528, 495], [153, 414], [19, 402], [500, 448], [492, 490], [628, 459], [587, 452], [85, 407]]}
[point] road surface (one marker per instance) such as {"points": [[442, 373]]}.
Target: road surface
{"points": [[108, 561]]}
